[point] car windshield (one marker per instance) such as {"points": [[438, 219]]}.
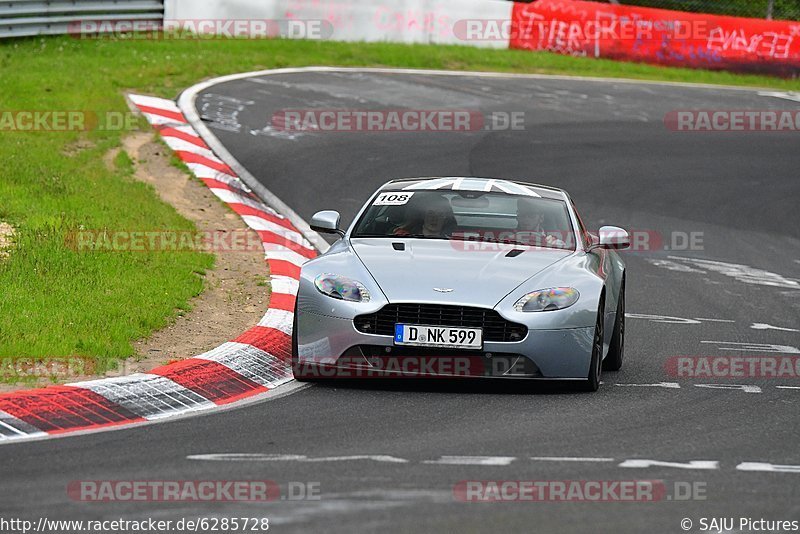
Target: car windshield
{"points": [[468, 215]]}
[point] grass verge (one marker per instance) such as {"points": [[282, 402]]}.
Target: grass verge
{"points": [[57, 302]]}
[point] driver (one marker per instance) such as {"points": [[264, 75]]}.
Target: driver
{"points": [[428, 217], [530, 220]]}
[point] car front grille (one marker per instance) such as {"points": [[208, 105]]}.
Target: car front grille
{"points": [[495, 327]]}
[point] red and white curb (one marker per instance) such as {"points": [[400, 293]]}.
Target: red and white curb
{"points": [[255, 362]]}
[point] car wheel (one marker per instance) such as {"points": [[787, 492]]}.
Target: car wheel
{"points": [[301, 373], [613, 361], [592, 382]]}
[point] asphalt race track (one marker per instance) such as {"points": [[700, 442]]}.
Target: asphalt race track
{"points": [[388, 455]]}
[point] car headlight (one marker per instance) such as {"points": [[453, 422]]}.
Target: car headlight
{"points": [[556, 298], [341, 287]]}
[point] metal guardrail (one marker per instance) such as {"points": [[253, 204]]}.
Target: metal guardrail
{"points": [[20, 18]]}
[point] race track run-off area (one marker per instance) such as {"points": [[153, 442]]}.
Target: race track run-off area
{"points": [[716, 273]]}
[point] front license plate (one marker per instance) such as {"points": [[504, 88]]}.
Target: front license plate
{"points": [[438, 336]]}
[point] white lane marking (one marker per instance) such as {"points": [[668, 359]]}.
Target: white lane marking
{"points": [[372, 457], [781, 94], [668, 385], [753, 347], [668, 319], [661, 318], [764, 326], [633, 463], [767, 467], [693, 464], [739, 387], [787, 387], [569, 459], [673, 266], [472, 460], [245, 457], [742, 273]]}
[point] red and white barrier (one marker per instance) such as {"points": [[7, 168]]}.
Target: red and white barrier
{"points": [[658, 36], [256, 361]]}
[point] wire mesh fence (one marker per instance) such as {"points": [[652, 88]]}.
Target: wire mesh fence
{"points": [[762, 9]]}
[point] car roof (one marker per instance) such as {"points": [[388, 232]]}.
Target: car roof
{"points": [[471, 183]]}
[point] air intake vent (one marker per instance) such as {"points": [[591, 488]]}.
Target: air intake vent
{"points": [[495, 327]]}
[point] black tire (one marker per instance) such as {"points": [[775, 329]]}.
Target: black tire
{"points": [[616, 351], [592, 382]]}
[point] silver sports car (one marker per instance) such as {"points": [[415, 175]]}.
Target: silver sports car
{"points": [[463, 277]]}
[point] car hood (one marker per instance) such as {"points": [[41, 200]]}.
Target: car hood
{"points": [[476, 277]]}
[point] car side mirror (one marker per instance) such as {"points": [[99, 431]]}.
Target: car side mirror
{"points": [[613, 237], [327, 222]]}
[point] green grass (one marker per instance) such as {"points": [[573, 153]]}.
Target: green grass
{"points": [[57, 302]]}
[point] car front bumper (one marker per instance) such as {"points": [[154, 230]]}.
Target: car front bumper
{"points": [[333, 347]]}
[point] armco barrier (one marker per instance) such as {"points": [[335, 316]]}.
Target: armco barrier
{"points": [[658, 36], [20, 18]]}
